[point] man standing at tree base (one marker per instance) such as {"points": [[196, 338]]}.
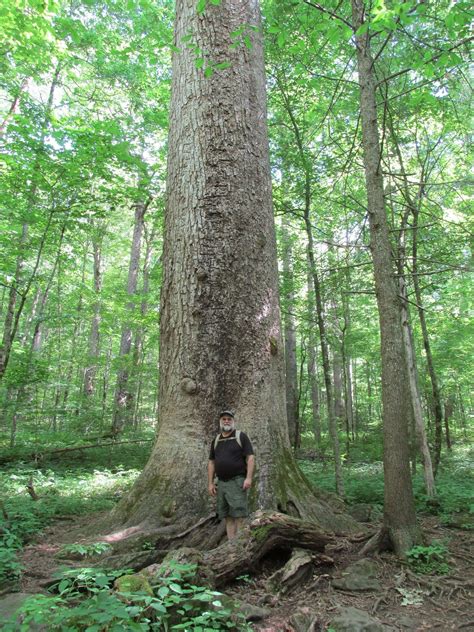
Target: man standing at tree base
{"points": [[231, 459]]}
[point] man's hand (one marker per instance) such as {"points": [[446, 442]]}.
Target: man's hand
{"points": [[212, 489], [247, 484]]}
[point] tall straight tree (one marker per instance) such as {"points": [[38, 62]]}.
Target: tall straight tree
{"points": [[399, 507], [220, 337]]}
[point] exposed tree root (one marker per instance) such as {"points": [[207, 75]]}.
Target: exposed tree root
{"points": [[265, 532]]}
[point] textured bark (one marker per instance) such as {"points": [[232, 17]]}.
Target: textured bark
{"points": [[291, 369], [399, 506], [220, 338]]}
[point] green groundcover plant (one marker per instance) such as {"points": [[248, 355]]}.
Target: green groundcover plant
{"points": [[87, 602], [429, 560]]}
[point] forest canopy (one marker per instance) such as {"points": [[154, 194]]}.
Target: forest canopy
{"points": [[84, 115]]}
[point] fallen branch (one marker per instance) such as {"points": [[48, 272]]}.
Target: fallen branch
{"points": [[40, 455], [31, 489]]}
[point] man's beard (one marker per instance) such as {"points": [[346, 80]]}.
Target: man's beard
{"points": [[227, 427]]}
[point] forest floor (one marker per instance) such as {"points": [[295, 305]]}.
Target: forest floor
{"points": [[404, 600], [72, 492]]}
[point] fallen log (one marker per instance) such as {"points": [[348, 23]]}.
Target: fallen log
{"points": [[265, 532]]}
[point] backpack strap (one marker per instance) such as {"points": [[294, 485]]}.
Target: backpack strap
{"points": [[237, 438]]}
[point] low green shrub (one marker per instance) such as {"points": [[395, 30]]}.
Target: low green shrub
{"points": [[429, 559], [86, 603], [86, 550], [10, 566]]}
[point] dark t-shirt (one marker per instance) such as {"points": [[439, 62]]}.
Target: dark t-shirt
{"points": [[229, 457]]}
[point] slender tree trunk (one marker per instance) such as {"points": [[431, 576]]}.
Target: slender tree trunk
{"points": [[312, 367], [75, 336], [17, 290], [399, 507], [94, 340], [437, 405], [123, 396], [415, 392], [338, 385], [14, 105], [346, 360], [138, 352], [462, 411], [355, 395], [448, 411], [368, 374], [7, 339], [291, 369], [332, 423]]}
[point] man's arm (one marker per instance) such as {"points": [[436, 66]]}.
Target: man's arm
{"points": [[211, 470], [250, 470]]}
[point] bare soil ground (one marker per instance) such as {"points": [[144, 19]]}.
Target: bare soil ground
{"points": [[406, 601]]}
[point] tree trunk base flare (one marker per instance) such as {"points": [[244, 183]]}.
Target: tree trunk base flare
{"points": [[266, 531], [389, 539]]}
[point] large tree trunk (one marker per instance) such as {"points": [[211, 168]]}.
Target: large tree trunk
{"points": [[221, 343], [399, 507]]}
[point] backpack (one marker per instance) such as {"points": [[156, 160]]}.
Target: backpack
{"points": [[237, 438]]}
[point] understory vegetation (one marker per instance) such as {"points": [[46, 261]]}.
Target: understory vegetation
{"points": [[82, 597]]}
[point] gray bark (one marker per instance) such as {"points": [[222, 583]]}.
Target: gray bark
{"points": [[220, 336], [399, 507]]}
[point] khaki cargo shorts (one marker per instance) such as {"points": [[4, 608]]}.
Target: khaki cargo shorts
{"points": [[232, 498]]}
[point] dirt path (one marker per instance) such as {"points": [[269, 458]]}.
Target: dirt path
{"points": [[404, 601]]}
